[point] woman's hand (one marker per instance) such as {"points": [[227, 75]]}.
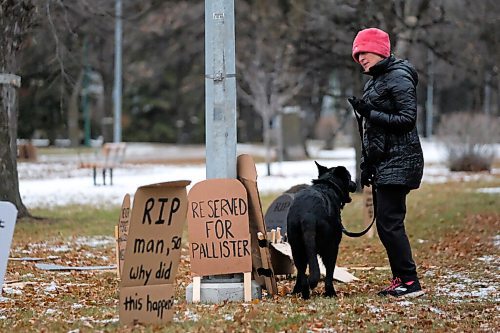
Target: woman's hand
{"points": [[360, 106]]}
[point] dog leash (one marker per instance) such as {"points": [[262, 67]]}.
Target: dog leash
{"points": [[374, 193]]}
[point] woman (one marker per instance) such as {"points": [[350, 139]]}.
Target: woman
{"points": [[393, 160]]}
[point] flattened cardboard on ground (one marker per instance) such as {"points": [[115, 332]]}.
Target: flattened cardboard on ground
{"points": [[123, 226], [340, 273], [153, 252], [34, 258], [54, 267], [219, 240], [261, 258], [8, 215]]}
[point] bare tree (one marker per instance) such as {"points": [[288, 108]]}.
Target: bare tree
{"points": [[269, 77], [16, 16]]}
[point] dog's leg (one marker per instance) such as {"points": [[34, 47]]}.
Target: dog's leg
{"points": [[309, 230], [330, 261], [301, 284]]}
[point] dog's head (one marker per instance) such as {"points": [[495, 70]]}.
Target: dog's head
{"points": [[339, 176]]}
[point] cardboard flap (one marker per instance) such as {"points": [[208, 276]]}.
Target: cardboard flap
{"points": [[123, 226], [340, 273], [261, 258], [246, 167]]}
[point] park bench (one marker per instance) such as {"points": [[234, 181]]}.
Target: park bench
{"points": [[111, 155]]}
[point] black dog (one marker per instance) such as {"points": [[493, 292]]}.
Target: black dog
{"points": [[314, 226]]}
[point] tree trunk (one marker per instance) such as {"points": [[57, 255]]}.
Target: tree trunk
{"points": [[73, 112], [267, 139], [15, 19], [9, 181]]}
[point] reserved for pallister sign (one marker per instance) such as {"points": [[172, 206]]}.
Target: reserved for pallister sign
{"points": [[218, 228]]}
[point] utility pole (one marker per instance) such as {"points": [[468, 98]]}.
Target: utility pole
{"points": [[220, 89], [117, 91], [220, 123]]}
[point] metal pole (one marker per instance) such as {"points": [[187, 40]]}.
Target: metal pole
{"points": [[117, 91], [220, 89]]}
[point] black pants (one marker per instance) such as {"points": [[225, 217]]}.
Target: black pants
{"points": [[391, 211]]}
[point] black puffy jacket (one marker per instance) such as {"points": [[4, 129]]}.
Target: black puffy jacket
{"points": [[390, 133]]}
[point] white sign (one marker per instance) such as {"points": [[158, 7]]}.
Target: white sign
{"points": [[8, 215]]}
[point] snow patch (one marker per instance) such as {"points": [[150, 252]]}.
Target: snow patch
{"points": [[461, 287], [491, 190], [97, 241], [51, 287], [405, 303], [50, 312], [12, 291]]}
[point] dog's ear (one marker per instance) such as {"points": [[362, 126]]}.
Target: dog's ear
{"points": [[321, 169]]}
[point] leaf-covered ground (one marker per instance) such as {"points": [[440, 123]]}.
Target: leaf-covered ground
{"points": [[452, 227]]}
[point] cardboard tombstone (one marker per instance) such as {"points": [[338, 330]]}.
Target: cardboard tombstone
{"points": [[8, 215], [152, 253], [277, 212], [261, 259], [123, 226], [276, 216], [219, 239]]}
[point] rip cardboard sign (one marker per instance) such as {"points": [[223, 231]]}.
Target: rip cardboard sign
{"points": [[8, 215], [219, 238], [123, 226], [152, 253], [276, 214]]}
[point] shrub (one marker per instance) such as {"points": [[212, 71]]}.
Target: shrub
{"points": [[470, 140]]}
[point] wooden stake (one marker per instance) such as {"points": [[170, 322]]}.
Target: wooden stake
{"points": [[247, 286], [117, 250], [278, 235], [196, 289]]}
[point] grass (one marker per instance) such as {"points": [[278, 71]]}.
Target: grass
{"points": [[450, 227]]}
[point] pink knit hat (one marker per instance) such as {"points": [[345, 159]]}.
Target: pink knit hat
{"points": [[371, 40]]}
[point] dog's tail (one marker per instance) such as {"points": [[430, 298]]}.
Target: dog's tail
{"points": [[309, 232]]}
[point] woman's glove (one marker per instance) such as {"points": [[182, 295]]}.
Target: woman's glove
{"points": [[366, 177], [360, 106], [367, 174]]}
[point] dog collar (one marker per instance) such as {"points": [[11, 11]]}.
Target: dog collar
{"points": [[344, 194]]}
